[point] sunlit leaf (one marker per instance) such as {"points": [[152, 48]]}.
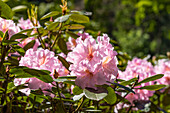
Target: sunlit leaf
{"points": [[50, 14], [94, 96], [111, 97], [5, 11], [79, 18]]}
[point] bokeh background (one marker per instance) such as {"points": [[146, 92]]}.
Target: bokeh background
{"points": [[140, 27]]}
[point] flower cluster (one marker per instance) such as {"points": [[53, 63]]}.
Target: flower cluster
{"points": [[143, 69], [94, 63], [40, 59], [163, 67], [8, 25]]}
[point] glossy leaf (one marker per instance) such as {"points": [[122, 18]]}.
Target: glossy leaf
{"points": [[153, 87], [10, 42], [19, 8], [111, 97], [29, 45], [78, 97], [64, 62], [152, 78], [62, 45], [77, 90], [94, 96], [18, 36], [62, 18], [50, 14], [73, 35], [122, 86], [5, 11], [1, 34], [79, 18], [129, 81], [25, 72], [76, 26]]}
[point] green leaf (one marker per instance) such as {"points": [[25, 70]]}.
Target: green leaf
{"points": [[18, 36], [50, 14], [73, 35], [79, 18], [62, 18], [65, 79], [40, 74], [1, 34], [19, 8], [122, 86], [76, 26], [129, 81], [2, 79], [78, 97], [62, 45], [111, 97], [52, 25], [64, 62], [20, 50], [152, 78], [29, 45], [5, 11], [25, 72], [94, 96], [77, 90], [10, 42], [153, 87]]}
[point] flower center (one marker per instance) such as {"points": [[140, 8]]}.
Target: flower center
{"points": [[42, 60]]}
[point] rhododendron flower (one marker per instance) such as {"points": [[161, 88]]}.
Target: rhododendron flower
{"points": [[92, 64], [72, 43], [8, 25], [163, 67], [26, 24], [40, 59], [143, 69]]}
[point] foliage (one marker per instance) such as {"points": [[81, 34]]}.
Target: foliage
{"points": [[29, 58]]}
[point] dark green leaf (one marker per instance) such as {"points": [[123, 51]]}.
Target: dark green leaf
{"points": [[18, 36], [129, 81], [79, 18], [76, 26], [5, 11], [111, 97], [77, 90], [64, 62], [62, 45], [52, 25], [122, 86], [94, 96], [73, 35], [62, 18], [50, 14], [152, 78], [10, 42], [29, 45], [25, 72], [20, 50], [1, 34], [153, 87]]}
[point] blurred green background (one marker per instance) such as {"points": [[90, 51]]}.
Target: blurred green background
{"points": [[140, 27]]}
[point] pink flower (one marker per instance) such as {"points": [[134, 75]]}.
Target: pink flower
{"points": [[8, 25], [26, 24], [40, 59], [143, 69], [72, 43], [92, 64], [163, 67]]}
